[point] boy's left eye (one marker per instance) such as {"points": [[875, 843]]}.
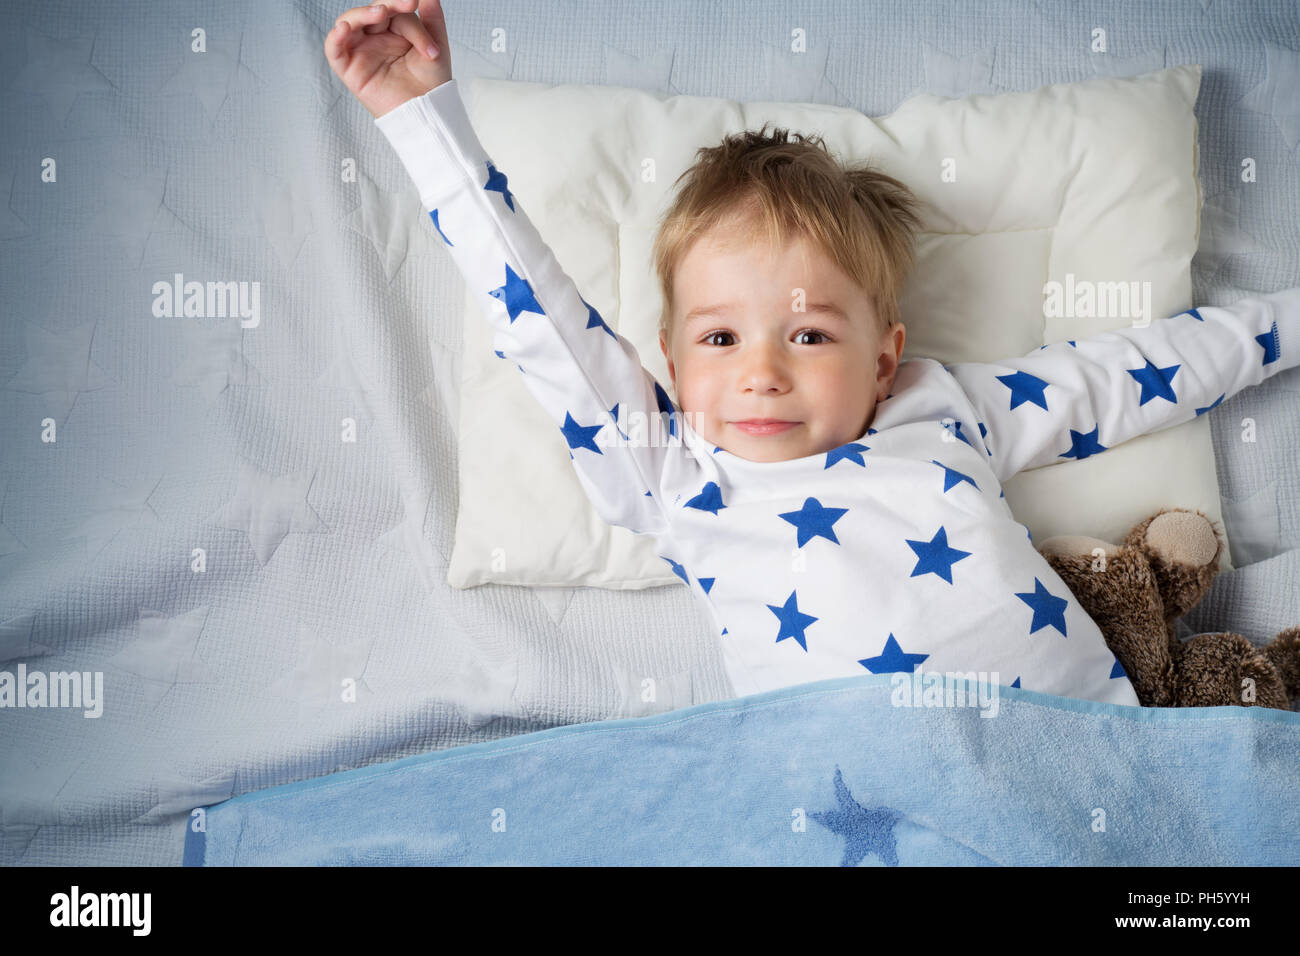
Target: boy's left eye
{"points": [[812, 332]]}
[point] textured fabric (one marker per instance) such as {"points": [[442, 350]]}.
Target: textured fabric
{"points": [[852, 772], [905, 551], [251, 162]]}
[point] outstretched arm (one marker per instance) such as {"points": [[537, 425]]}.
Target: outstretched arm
{"points": [[586, 376], [1071, 400]]}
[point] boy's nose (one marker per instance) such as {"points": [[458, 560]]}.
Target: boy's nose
{"points": [[765, 368]]}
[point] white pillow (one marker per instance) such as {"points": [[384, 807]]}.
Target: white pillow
{"points": [[1093, 181]]}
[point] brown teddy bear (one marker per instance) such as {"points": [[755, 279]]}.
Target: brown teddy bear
{"points": [[1135, 592]]}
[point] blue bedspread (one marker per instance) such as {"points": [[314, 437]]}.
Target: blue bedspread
{"points": [[835, 772]]}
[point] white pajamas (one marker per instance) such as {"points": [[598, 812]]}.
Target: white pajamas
{"points": [[889, 552]]}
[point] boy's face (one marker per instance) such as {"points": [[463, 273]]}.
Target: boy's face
{"points": [[761, 358]]}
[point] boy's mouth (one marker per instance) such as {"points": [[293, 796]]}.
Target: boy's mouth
{"points": [[764, 426]]}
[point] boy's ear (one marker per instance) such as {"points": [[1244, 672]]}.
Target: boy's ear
{"points": [[891, 355], [663, 345]]}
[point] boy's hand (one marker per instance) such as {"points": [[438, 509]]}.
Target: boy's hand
{"points": [[380, 52]]}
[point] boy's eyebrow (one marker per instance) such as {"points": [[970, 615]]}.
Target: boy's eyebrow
{"points": [[711, 311]]}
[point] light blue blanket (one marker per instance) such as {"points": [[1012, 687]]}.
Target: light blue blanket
{"points": [[844, 771]]}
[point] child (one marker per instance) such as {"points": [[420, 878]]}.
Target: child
{"points": [[837, 511]]}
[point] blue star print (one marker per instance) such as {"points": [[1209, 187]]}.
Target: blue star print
{"points": [[497, 183], [1155, 382], [892, 660], [955, 428], [865, 831], [1269, 341], [1025, 388], [935, 555], [1083, 444], [812, 520], [850, 452], [710, 499], [433, 214], [594, 321], [951, 476], [1048, 608], [580, 436], [517, 294], [793, 621], [678, 570], [1202, 411], [666, 406]]}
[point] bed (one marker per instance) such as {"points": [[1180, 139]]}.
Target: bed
{"points": [[214, 515]]}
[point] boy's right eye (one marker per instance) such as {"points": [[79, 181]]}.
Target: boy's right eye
{"points": [[707, 340]]}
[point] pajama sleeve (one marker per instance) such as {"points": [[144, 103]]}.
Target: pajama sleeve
{"points": [[1071, 400], [587, 378]]}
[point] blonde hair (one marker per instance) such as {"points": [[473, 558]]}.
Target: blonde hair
{"points": [[784, 188]]}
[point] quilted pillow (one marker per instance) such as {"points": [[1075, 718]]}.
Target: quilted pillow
{"points": [[1089, 185]]}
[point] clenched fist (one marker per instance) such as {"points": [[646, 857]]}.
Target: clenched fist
{"points": [[386, 55]]}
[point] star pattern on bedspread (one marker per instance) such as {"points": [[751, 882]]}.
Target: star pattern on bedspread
{"points": [[1222, 234], [865, 831], [9, 543], [326, 675], [17, 641], [12, 225], [214, 358], [162, 655], [1275, 95], [131, 207], [211, 76], [283, 209], [651, 72], [268, 508], [58, 70], [390, 221], [29, 795], [1110, 64], [290, 60], [642, 694], [481, 689], [957, 76], [342, 372], [1255, 523], [172, 794], [58, 368], [115, 508], [407, 538]]}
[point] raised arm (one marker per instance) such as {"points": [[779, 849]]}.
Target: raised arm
{"points": [[1071, 400], [586, 376]]}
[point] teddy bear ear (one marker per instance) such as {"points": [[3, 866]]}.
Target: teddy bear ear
{"points": [[1182, 537]]}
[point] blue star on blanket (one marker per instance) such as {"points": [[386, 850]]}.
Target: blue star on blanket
{"points": [[864, 830]]}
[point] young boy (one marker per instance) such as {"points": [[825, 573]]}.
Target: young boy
{"points": [[837, 511]]}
